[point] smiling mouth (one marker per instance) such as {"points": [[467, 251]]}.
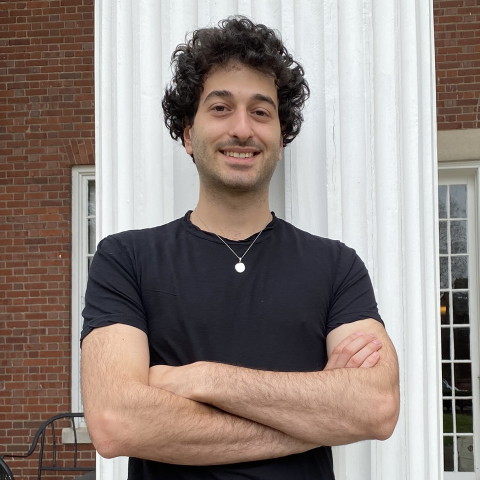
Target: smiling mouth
{"points": [[239, 154]]}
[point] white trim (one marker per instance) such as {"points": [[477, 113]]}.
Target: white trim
{"points": [[469, 172], [80, 175]]}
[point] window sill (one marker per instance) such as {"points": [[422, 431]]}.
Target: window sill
{"points": [[69, 438]]}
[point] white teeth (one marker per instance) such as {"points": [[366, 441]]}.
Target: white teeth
{"points": [[239, 155]]}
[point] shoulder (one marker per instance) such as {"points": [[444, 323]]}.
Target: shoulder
{"points": [[322, 245], [145, 238]]}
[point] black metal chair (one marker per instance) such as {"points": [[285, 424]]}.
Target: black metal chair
{"points": [[5, 472]]}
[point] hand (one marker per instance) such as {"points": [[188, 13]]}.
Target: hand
{"points": [[181, 381], [359, 350]]}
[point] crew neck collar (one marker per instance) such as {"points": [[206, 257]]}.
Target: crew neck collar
{"points": [[194, 230]]}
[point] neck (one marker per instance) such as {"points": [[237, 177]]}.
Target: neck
{"points": [[235, 217]]}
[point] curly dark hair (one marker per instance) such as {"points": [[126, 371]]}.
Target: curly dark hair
{"points": [[240, 40]]}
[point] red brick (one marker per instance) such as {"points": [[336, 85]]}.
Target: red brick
{"points": [[48, 63]]}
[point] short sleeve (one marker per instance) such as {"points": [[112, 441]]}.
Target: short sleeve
{"points": [[353, 297], [112, 295]]}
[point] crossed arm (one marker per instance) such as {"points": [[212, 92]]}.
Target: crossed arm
{"points": [[127, 416], [332, 407], [230, 414]]}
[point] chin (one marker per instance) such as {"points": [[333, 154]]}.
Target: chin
{"points": [[244, 184]]}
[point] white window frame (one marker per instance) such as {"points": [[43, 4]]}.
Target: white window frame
{"points": [[469, 172], [80, 177]]}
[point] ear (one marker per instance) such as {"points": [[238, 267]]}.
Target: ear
{"points": [[281, 148], [187, 139]]}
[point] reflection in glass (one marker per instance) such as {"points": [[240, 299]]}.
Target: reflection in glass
{"points": [[463, 416], [458, 236], [442, 201], [460, 307], [445, 344], [463, 379], [461, 343], [448, 454], [447, 416], [447, 381], [445, 308], [458, 201], [443, 272], [442, 227], [91, 197], [465, 454], [459, 272], [91, 235]]}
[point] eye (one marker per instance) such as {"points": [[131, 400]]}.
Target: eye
{"points": [[261, 113], [219, 108]]}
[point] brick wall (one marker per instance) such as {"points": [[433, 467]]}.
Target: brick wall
{"points": [[46, 126], [457, 54]]}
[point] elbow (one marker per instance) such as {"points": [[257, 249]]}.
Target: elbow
{"points": [[388, 409], [105, 432]]}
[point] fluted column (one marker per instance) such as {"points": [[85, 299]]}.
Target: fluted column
{"points": [[363, 169]]}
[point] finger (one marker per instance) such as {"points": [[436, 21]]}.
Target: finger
{"points": [[334, 361], [361, 356], [371, 361], [349, 339], [348, 353]]}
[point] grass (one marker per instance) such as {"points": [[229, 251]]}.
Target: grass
{"points": [[464, 423]]}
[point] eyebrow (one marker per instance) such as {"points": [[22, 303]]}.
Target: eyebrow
{"points": [[227, 94]]}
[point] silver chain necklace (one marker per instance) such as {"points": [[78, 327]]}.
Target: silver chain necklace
{"points": [[240, 266]]}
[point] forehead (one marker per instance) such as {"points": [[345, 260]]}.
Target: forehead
{"points": [[240, 81]]}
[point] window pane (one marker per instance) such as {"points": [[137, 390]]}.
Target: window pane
{"points": [[445, 344], [464, 418], [445, 308], [459, 272], [461, 343], [89, 259], [447, 416], [463, 379], [91, 235], [458, 201], [465, 454], [458, 236], [442, 227], [447, 381], [91, 197], [460, 307], [448, 454], [442, 201], [443, 272]]}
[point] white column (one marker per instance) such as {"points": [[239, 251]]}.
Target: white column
{"points": [[363, 169]]}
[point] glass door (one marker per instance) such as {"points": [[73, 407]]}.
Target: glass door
{"points": [[459, 323]]}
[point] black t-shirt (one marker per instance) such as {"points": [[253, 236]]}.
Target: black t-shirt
{"points": [[178, 284]]}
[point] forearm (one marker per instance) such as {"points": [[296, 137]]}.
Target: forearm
{"points": [[355, 398], [328, 408], [127, 416], [158, 425]]}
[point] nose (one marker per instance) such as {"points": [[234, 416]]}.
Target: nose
{"points": [[240, 126]]}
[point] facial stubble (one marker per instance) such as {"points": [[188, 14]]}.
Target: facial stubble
{"points": [[212, 177]]}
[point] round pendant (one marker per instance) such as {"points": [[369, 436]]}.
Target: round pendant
{"points": [[240, 267]]}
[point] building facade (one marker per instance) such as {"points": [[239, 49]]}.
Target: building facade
{"points": [[47, 130]]}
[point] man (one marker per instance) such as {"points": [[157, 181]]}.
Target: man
{"points": [[206, 340]]}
